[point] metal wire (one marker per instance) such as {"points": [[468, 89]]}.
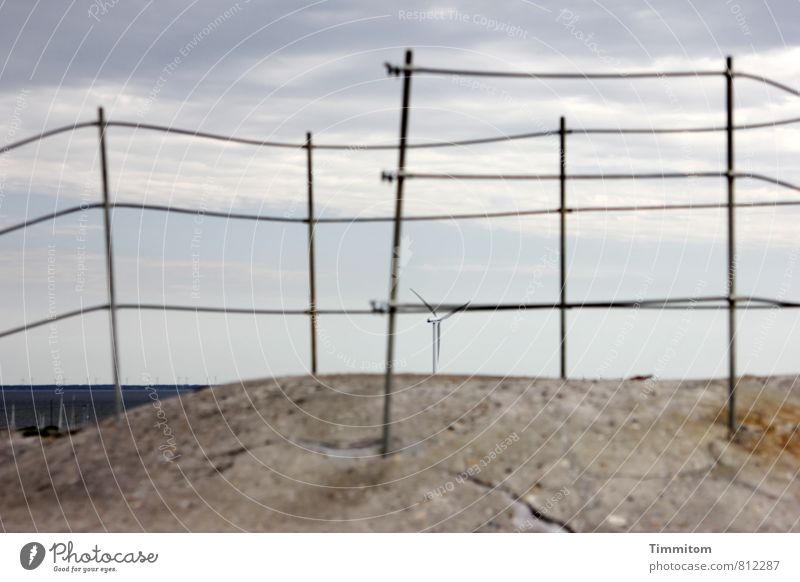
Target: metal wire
{"points": [[206, 135], [513, 177], [768, 179], [570, 210], [633, 176], [212, 213], [50, 216], [46, 134], [699, 129], [420, 218], [743, 302], [52, 319], [444, 144], [397, 70], [179, 308], [768, 81], [378, 147], [199, 309], [241, 310], [323, 146]]}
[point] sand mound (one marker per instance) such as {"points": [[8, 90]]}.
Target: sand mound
{"points": [[485, 454]]}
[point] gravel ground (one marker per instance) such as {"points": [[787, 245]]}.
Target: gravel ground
{"points": [[472, 454]]}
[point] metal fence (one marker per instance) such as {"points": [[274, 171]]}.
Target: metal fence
{"points": [[731, 301]]}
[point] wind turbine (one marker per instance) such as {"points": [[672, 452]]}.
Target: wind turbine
{"points": [[436, 322]]}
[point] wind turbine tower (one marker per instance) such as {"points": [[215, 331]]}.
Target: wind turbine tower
{"points": [[436, 322]]}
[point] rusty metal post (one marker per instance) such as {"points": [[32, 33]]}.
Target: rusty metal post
{"points": [[732, 380], [393, 283], [562, 163], [112, 299], [312, 284]]}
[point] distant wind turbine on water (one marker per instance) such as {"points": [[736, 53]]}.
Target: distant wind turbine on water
{"points": [[436, 321]]}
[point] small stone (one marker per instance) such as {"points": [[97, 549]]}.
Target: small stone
{"points": [[616, 520]]}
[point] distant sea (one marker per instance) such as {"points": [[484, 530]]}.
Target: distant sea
{"points": [[75, 405]]}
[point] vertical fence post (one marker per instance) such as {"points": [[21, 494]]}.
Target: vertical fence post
{"points": [[312, 284], [393, 283], [732, 380], [112, 300], [562, 163]]}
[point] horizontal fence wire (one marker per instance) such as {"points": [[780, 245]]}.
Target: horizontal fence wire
{"points": [[680, 303], [589, 177], [52, 319], [395, 70], [698, 129], [419, 218], [768, 81], [416, 70], [45, 135], [547, 211], [206, 135], [211, 213], [49, 216], [323, 146], [549, 177], [243, 310], [685, 303], [454, 143]]}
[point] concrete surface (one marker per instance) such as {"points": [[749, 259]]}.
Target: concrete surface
{"points": [[472, 454]]}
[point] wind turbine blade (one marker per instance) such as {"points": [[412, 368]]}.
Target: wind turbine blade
{"points": [[431, 309], [456, 310]]}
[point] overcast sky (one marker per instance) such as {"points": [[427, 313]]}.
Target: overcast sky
{"points": [[275, 70]]}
